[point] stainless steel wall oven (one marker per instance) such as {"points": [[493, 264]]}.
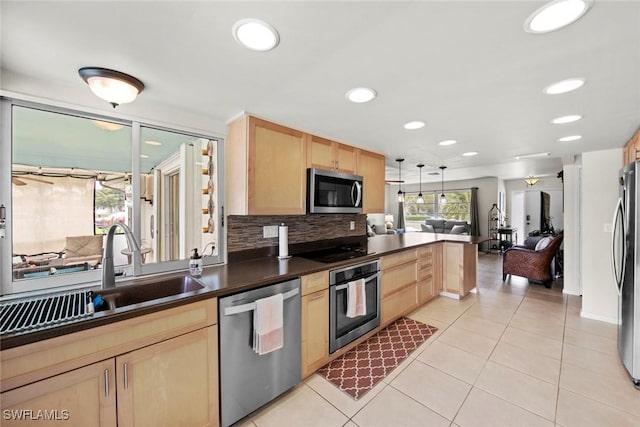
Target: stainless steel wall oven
{"points": [[343, 329]]}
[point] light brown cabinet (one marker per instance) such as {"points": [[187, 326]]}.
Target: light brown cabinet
{"points": [[326, 154], [398, 280], [315, 321], [171, 383], [371, 168], [157, 369], [81, 397], [429, 272], [266, 168], [631, 151], [459, 266]]}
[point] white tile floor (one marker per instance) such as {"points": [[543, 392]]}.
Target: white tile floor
{"points": [[513, 354]]}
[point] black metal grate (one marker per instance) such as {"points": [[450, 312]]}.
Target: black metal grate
{"points": [[42, 311]]}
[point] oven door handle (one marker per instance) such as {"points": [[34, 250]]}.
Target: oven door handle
{"points": [[346, 285]]}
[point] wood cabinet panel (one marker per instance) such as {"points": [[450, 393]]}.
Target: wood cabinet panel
{"points": [[314, 282], [43, 359], [631, 151], [397, 258], [346, 158], [371, 168], [277, 177], [171, 383], [398, 304], [326, 154], [81, 397], [425, 290], [459, 267], [398, 277], [315, 331]]}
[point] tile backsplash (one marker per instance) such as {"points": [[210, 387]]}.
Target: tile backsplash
{"points": [[245, 231]]}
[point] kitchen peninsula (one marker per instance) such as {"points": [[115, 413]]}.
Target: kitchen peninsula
{"points": [[39, 365]]}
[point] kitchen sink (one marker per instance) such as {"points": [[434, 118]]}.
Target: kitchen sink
{"points": [[148, 291]]}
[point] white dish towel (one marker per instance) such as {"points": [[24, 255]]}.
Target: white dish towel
{"points": [[268, 324], [356, 298]]}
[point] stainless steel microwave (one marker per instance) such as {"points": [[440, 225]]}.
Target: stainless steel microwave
{"points": [[333, 192]]}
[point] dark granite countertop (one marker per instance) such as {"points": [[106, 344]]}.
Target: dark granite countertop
{"points": [[232, 278]]}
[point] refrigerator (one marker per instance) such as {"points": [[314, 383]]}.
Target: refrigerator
{"points": [[626, 268]]}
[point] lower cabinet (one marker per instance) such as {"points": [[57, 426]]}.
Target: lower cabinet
{"points": [[399, 293], [429, 272], [174, 382], [315, 331], [82, 397], [459, 268], [171, 383]]}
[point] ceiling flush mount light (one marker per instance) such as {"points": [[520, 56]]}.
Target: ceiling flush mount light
{"points": [[420, 199], [533, 155], [470, 153], [555, 15], [566, 119], [443, 198], [153, 143], [256, 34], [113, 86], [361, 95], [564, 86], [400, 193], [447, 142], [531, 181], [414, 125], [569, 138]]}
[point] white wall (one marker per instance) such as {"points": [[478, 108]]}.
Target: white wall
{"points": [[572, 228], [599, 194]]}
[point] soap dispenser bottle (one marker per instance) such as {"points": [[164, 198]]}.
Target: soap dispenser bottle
{"points": [[195, 263]]}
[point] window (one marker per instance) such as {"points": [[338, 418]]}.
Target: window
{"points": [[457, 207]]}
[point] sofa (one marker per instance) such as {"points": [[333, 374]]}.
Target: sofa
{"points": [[445, 226]]}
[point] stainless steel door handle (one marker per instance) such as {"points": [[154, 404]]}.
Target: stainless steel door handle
{"points": [[618, 215]]}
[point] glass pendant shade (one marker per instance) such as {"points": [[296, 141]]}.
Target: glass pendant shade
{"points": [[420, 198], [400, 196], [400, 193], [443, 198]]}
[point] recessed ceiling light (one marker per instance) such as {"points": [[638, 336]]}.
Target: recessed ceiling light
{"points": [[564, 86], [470, 153], [448, 142], [569, 138], [144, 156], [566, 119], [555, 15], [533, 155], [414, 125], [256, 34], [361, 94], [153, 142]]}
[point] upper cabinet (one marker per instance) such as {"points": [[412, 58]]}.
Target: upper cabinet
{"points": [[632, 149], [325, 154], [371, 167], [266, 168]]}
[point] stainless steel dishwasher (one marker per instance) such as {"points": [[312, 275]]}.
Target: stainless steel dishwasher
{"points": [[247, 380]]}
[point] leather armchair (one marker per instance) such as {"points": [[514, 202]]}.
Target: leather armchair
{"points": [[529, 263]]}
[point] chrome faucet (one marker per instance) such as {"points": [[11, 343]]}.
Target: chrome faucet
{"points": [[108, 273]]}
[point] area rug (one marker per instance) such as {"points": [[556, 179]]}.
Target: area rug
{"points": [[361, 368]]}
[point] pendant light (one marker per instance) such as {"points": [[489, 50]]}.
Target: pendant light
{"points": [[112, 86], [400, 193], [420, 199], [443, 198]]}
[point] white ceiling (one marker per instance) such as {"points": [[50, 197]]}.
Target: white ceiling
{"points": [[466, 68]]}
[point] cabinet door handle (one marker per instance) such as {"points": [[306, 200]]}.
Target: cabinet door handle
{"points": [[106, 383], [317, 297], [126, 375]]}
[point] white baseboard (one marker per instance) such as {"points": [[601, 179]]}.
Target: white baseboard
{"points": [[450, 295], [571, 292], [608, 319]]}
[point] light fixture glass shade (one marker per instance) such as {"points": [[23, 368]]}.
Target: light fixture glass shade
{"points": [[531, 181], [555, 15], [400, 196], [112, 86], [564, 86], [443, 199], [256, 34], [360, 95], [420, 199]]}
